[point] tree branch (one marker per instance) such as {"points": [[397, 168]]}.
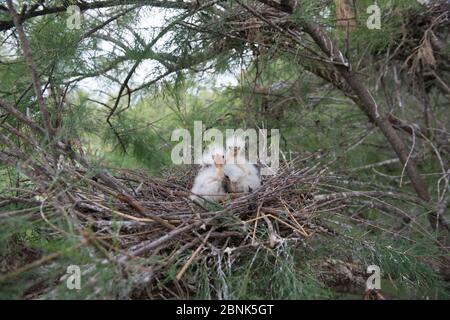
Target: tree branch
{"points": [[84, 6], [30, 63]]}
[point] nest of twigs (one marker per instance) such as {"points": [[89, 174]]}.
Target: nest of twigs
{"points": [[148, 226], [161, 215], [151, 223]]}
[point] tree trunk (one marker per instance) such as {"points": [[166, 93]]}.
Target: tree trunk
{"points": [[368, 105]]}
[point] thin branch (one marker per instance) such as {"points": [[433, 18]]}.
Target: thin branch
{"points": [[30, 63], [84, 6]]}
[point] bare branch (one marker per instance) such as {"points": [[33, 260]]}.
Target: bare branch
{"points": [[30, 63]]}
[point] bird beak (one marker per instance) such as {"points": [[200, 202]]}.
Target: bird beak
{"points": [[218, 160]]}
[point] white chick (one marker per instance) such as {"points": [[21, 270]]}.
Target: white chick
{"points": [[210, 152], [243, 175], [209, 182]]}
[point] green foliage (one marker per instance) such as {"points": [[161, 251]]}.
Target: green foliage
{"points": [[275, 90], [266, 274], [404, 269]]}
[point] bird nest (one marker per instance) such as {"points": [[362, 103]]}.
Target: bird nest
{"points": [[161, 215], [147, 226]]}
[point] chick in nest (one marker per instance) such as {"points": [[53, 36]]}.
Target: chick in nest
{"points": [[210, 181], [243, 175]]}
